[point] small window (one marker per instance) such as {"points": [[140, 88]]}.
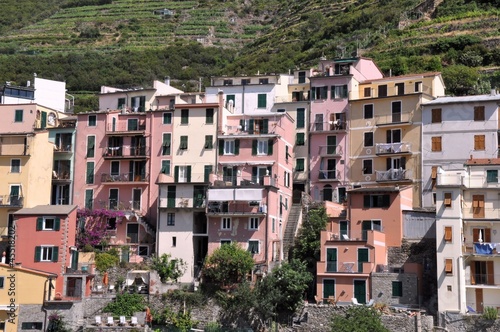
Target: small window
{"points": [[228, 82], [253, 223], [184, 143], [209, 116], [167, 140], [492, 176], [447, 199], [253, 246], [262, 147], [367, 166], [367, 92], [436, 115], [184, 116], [447, 234], [31, 325], [300, 139], [15, 165], [174, 241], [48, 223], [263, 80], [434, 172], [448, 266], [382, 90], [368, 141], [479, 143], [418, 86], [245, 81], [167, 118], [2, 280], [89, 199], [397, 288], [92, 120], [299, 166], [209, 142], [261, 100], [90, 172], [223, 242], [18, 117], [132, 124], [436, 144], [229, 147], [301, 117], [170, 219], [478, 113], [368, 111], [226, 224], [121, 103], [46, 254], [165, 167]]}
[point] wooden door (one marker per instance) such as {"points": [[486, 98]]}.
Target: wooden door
{"points": [[479, 300]]}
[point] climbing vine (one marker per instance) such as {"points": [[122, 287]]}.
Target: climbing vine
{"points": [[93, 226]]}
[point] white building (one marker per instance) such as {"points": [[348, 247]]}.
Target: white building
{"points": [[453, 130], [467, 234]]}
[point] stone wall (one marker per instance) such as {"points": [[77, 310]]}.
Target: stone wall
{"points": [[457, 322], [382, 288]]}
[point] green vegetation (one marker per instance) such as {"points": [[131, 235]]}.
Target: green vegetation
{"points": [[125, 305], [105, 260], [358, 319], [490, 313], [167, 268]]}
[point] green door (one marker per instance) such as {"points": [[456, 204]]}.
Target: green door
{"points": [[171, 190], [362, 258], [331, 144], [44, 120], [328, 288], [360, 290], [366, 226]]}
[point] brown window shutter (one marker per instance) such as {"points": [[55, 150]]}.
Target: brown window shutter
{"points": [[487, 235], [434, 172], [475, 235], [491, 273], [447, 199], [448, 266], [473, 273], [447, 233]]}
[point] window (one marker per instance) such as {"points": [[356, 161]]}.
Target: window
{"points": [[397, 288], [182, 174], [92, 120], [261, 100], [273, 226], [367, 166], [331, 260], [479, 142], [301, 117], [436, 115], [253, 223], [368, 141], [478, 206], [228, 82], [300, 139], [447, 199], [393, 136], [2, 279], [223, 242], [15, 165], [287, 179], [245, 81], [184, 143], [90, 146], [209, 142], [376, 201], [287, 153], [170, 219], [113, 199], [339, 92], [492, 176], [207, 171], [167, 140], [48, 224], [436, 144], [368, 111], [136, 198], [132, 124], [138, 103], [230, 100], [89, 198], [229, 147], [209, 116], [448, 266], [253, 246], [478, 113], [226, 224], [143, 251], [319, 92], [262, 147], [367, 92], [382, 90], [174, 241], [133, 232], [31, 326], [167, 118], [263, 80], [302, 77], [46, 253], [121, 103], [299, 166], [400, 88], [18, 116], [447, 233], [90, 172], [418, 86], [434, 172], [184, 116]]}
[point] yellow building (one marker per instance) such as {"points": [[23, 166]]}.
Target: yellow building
{"points": [[385, 130], [22, 296]]}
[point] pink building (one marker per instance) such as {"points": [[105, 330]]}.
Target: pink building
{"points": [[251, 191], [45, 241], [355, 244], [331, 85]]}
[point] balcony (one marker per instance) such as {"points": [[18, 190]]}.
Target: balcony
{"points": [[123, 129], [13, 149], [392, 148], [391, 175], [485, 280], [124, 178], [330, 150], [126, 152], [182, 178], [452, 180], [9, 200], [328, 175], [394, 119], [481, 248], [329, 127], [257, 127], [350, 236], [61, 176], [63, 148], [242, 181], [182, 203], [344, 267], [238, 208]]}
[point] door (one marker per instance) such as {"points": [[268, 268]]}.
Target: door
{"points": [[318, 122], [362, 258], [365, 227], [171, 191], [396, 111], [113, 199], [328, 288], [44, 120], [136, 199], [332, 168], [114, 125], [331, 145], [479, 300], [360, 290], [327, 193]]}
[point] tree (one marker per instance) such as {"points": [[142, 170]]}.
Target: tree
{"points": [[168, 269], [307, 245], [358, 319], [227, 265], [460, 80]]}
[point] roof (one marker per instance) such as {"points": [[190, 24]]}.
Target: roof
{"points": [[463, 99], [47, 209], [24, 269], [483, 161], [402, 77]]}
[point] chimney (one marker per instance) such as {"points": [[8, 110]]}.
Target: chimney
{"points": [[167, 80]]}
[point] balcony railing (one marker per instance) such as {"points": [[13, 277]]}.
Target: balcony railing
{"points": [[235, 208], [65, 148], [336, 125], [481, 248], [189, 203], [61, 175], [330, 150], [124, 128], [125, 151], [396, 118], [450, 179], [327, 175], [9, 200], [345, 267], [394, 175], [243, 181], [7, 149], [484, 279], [358, 235], [392, 148], [124, 177]]}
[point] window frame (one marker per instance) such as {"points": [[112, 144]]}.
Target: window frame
{"points": [[367, 111], [262, 147], [209, 142], [166, 146], [166, 164], [491, 176], [184, 116], [184, 142], [448, 234], [209, 116], [366, 141], [225, 223], [447, 199], [92, 120], [229, 147], [300, 162], [253, 244], [167, 118], [399, 288], [262, 100], [436, 144], [45, 251], [170, 219], [253, 223], [300, 139], [44, 224], [301, 118], [13, 167], [18, 116], [365, 169], [479, 142], [436, 115], [448, 266]]}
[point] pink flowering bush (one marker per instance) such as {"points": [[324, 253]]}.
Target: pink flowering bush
{"points": [[93, 224]]}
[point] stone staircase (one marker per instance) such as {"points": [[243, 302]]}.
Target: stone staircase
{"points": [[294, 219]]}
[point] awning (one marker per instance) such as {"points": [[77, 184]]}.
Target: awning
{"points": [[265, 163], [220, 194], [248, 194]]}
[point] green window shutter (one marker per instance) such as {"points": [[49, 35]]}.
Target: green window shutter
{"points": [[208, 170], [167, 140], [261, 100], [209, 116], [55, 254], [57, 224], [344, 91], [188, 173], [270, 147], [236, 147], [39, 223], [165, 166], [90, 172], [300, 165], [250, 126], [209, 142], [300, 140], [88, 198], [366, 201], [301, 117], [254, 174], [176, 174], [242, 124], [38, 253], [270, 170], [492, 176], [19, 116], [184, 116], [184, 143], [312, 93], [265, 126], [324, 92], [90, 146], [221, 147], [254, 147]]}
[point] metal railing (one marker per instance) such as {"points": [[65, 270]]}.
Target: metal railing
{"points": [[392, 148], [356, 235], [394, 175], [124, 127], [126, 151], [335, 125], [63, 148], [327, 175], [124, 177], [394, 118], [330, 150], [10, 200]]}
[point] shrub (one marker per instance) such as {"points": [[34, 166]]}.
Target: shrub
{"points": [[125, 305], [490, 313], [358, 319], [168, 269], [104, 261]]}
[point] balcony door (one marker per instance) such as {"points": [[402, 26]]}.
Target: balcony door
{"points": [[360, 290], [331, 145], [396, 111], [328, 288]]}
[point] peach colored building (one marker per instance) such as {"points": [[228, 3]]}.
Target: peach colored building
{"points": [[333, 82], [355, 243]]}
